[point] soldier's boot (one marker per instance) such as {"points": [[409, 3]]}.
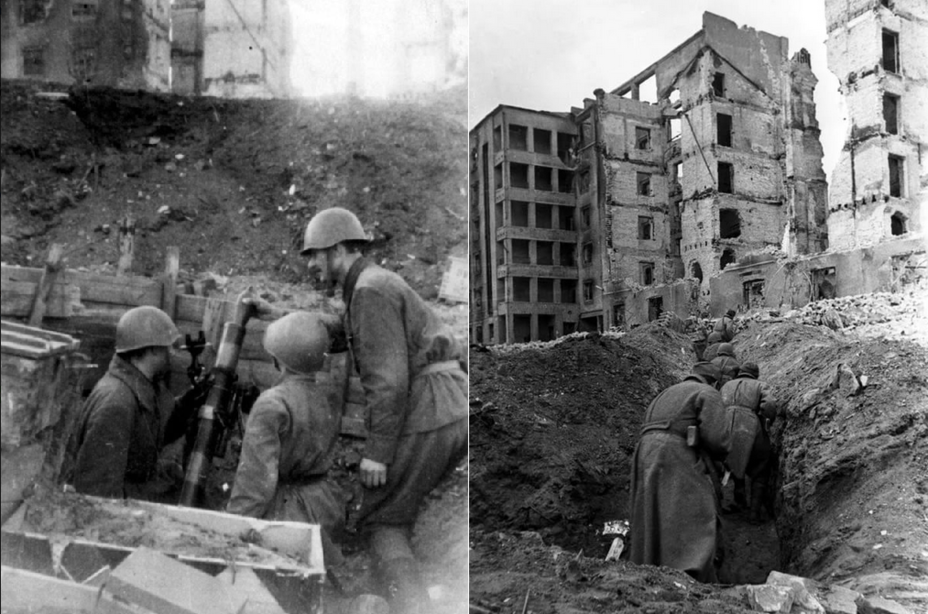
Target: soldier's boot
{"points": [[402, 585]]}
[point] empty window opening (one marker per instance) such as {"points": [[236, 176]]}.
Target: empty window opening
{"points": [[896, 164], [753, 293], [644, 184], [518, 137], [590, 324], [726, 177], [31, 11], [570, 328], [565, 143], [545, 290], [696, 271], [897, 224], [568, 290], [490, 331], [518, 175], [655, 308], [718, 84], [646, 270], [584, 182], [498, 138], [891, 113], [729, 224], [542, 141], [587, 253], [543, 215], [728, 257], [546, 327], [498, 176], [34, 62], [522, 328], [500, 220], [566, 218], [618, 315], [644, 227], [588, 290], [520, 252], [647, 89], [890, 51], [585, 217], [642, 138], [565, 181], [674, 96], [503, 337], [567, 256], [678, 170], [502, 253], [521, 289], [723, 123], [519, 216], [543, 178], [544, 253], [824, 283], [675, 128]]}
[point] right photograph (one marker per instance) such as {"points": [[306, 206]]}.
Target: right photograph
{"points": [[698, 306]]}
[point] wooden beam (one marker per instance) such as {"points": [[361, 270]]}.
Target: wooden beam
{"points": [[129, 291], [126, 245], [17, 298], [169, 281], [52, 266]]}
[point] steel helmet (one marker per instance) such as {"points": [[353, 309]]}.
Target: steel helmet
{"points": [[708, 370], [298, 341], [330, 227], [143, 327], [726, 349], [751, 369]]}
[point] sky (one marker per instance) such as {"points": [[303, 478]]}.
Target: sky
{"points": [[551, 54]]}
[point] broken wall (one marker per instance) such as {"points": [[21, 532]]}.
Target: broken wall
{"points": [[788, 284], [247, 49], [187, 47]]}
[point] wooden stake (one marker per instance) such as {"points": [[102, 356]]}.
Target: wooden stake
{"points": [[42, 289], [126, 246], [169, 281]]}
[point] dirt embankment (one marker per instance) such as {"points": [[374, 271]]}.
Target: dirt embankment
{"points": [[231, 182], [553, 427]]}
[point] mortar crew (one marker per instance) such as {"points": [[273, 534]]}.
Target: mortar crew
{"points": [[747, 392], [674, 515], [713, 341], [415, 396], [726, 325], [727, 363], [290, 437], [131, 415]]}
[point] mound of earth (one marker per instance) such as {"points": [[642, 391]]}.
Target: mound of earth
{"points": [[230, 182]]}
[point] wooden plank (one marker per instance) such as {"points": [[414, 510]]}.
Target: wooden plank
{"points": [[169, 281], [29, 591], [214, 316], [17, 298], [52, 266], [126, 239], [130, 291]]}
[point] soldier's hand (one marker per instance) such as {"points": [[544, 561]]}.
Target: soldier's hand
{"points": [[373, 474], [263, 309]]}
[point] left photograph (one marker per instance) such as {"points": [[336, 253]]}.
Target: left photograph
{"points": [[234, 306]]}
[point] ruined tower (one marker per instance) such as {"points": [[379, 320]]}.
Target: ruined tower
{"points": [[878, 49]]}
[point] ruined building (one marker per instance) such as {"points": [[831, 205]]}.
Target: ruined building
{"points": [[619, 210], [232, 49], [115, 43], [879, 52]]}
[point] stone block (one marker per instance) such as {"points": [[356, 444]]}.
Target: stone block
{"points": [[879, 605], [166, 586], [839, 600], [770, 598], [804, 591]]}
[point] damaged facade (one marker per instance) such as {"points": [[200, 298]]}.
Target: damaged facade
{"points": [[232, 50], [724, 161], [94, 42]]}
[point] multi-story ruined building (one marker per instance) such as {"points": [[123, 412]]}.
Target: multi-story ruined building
{"points": [[878, 49], [98, 42], [232, 49], [723, 162]]}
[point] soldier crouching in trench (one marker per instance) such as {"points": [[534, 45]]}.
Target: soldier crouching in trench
{"points": [[131, 415], [674, 501]]}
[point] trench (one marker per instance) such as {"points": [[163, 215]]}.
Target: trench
{"points": [[553, 436]]}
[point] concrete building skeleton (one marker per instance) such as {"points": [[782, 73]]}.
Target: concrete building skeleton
{"points": [[664, 194]]}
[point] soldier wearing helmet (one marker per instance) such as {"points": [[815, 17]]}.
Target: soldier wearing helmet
{"points": [[290, 436], [673, 500], [130, 414], [725, 325], [727, 363], [415, 395]]}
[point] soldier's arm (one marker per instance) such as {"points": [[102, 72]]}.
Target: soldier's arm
{"points": [[380, 350], [259, 464], [100, 467], [769, 408], [714, 423]]}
